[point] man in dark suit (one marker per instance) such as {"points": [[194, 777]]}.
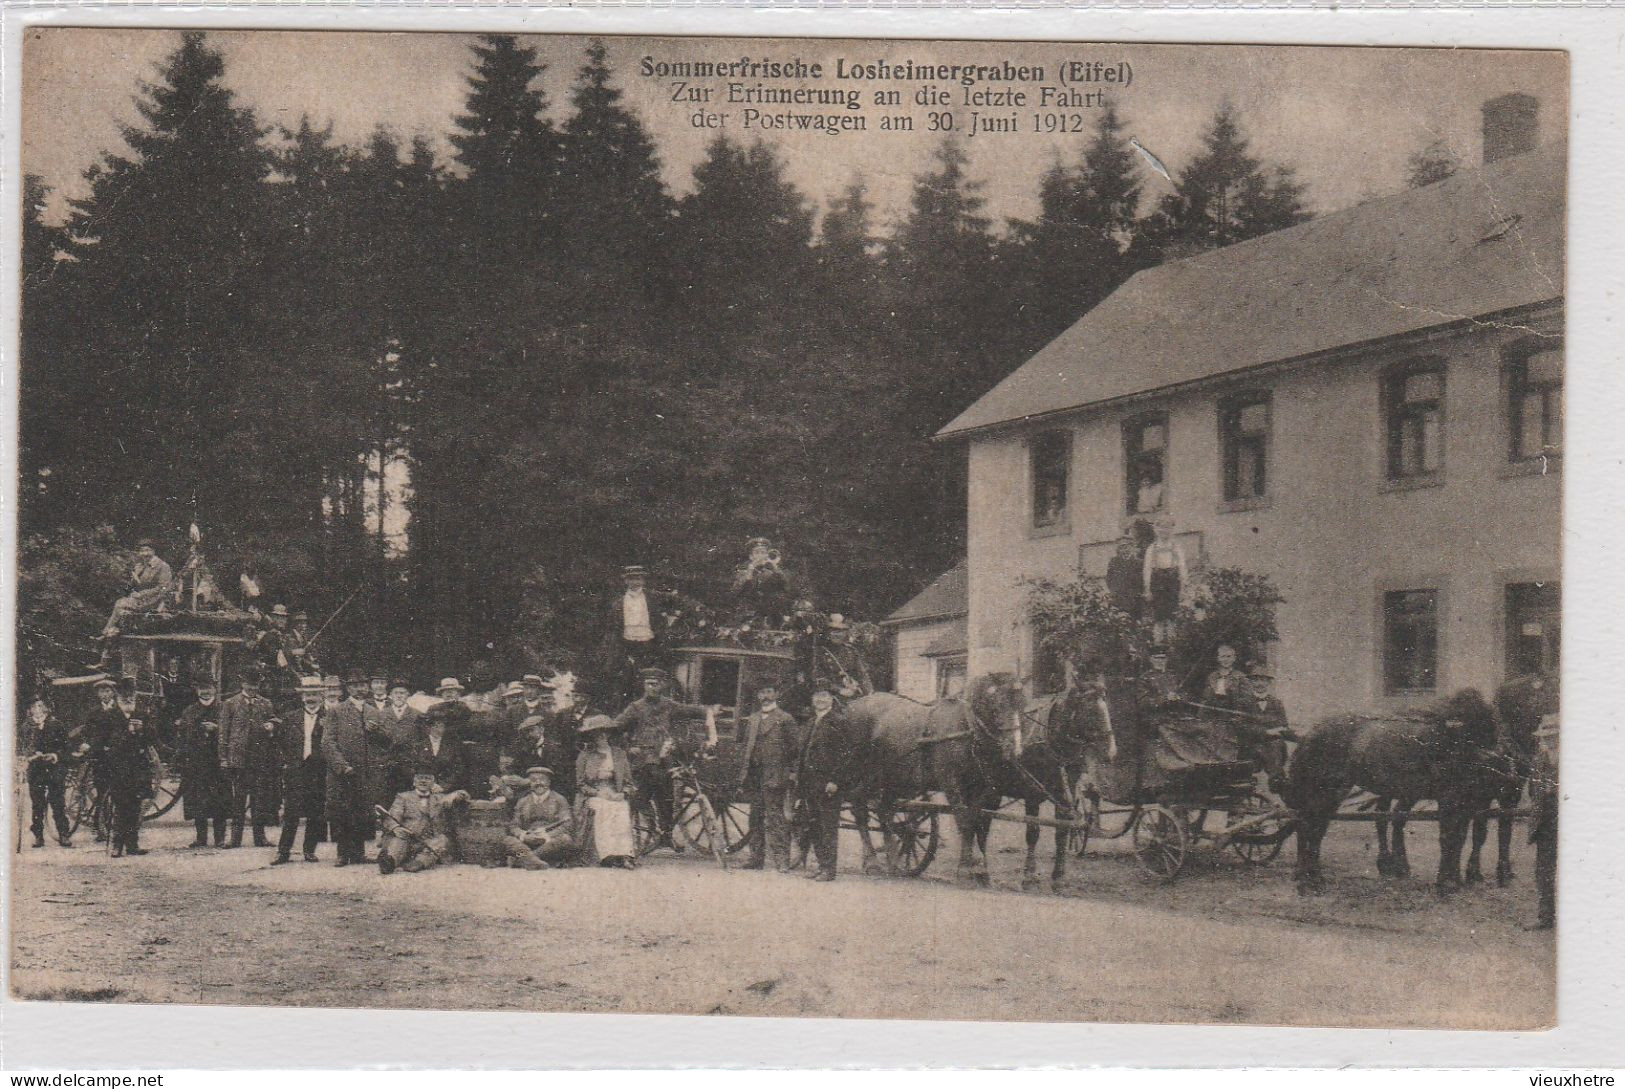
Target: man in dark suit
{"points": [[205, 788], [650, 743], [347, 752], [126, 759], [248, 747], [304, 774], [400, 724], [45, 746], [772, 753], [830, 765]]}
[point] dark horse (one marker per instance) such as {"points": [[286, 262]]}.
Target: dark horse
{"points": [[1062, 734], [1447, 751], [916, 749]]}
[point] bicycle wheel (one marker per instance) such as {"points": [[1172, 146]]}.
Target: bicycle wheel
{"points": [[696, 821], [166, 791], [645, 830], [80, 798], [733, 819]]}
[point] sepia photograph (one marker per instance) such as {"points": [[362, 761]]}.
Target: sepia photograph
{"points": [[789, 527]]}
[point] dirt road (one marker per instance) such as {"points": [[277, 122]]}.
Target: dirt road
{"points": [[1226, 943]]}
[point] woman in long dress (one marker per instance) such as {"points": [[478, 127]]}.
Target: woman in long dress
{"points": [[603, 780]]}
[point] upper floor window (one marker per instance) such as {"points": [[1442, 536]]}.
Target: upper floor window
{"points": [[1145, 461], [1413, 401], [1410, 645], [1051, 457], [1535, 405], [1244, 428]]}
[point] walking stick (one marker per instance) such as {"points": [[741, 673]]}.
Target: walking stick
{"points": [[312, 640], [407, 834]]}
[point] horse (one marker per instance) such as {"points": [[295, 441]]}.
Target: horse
{"points": [[1447, 751], [1521, 704], [1063, 734], [914, 749]]}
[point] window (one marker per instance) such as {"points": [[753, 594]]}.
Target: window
{"points": [[1244, 427], [951, 677], [719, 684], [1051, 456], [1145, 461], [1414, 403], [1535, 405], [1534, 630], [1410, 620]]}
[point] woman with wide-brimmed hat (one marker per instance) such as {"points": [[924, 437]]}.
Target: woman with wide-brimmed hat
{"points": [[603, 783]]}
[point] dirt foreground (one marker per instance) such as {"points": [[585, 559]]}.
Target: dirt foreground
{"points": [[1226, 943]]}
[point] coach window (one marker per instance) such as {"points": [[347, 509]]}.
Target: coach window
{"points": [[1413, 400], [1535, 404], [1410, 620], [1145, 463], [1050, 455], [1244, 431]]}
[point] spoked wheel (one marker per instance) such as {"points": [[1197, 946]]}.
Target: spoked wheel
{"points": [[700, 826], [79, 798], [1160, 842], [918, 836], [645, 830], [1263, 841], [166, 791], [733, 819]]}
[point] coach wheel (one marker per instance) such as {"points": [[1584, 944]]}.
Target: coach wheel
{"points": [[918, 837], [1263, 841], [166, 791], [645, 830], [697, 822], [733, 818], [1160, 843]]}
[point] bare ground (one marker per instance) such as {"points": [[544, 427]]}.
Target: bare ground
{"points": [[1225, 943]]}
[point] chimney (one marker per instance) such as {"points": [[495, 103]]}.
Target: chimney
{"points": [[1511, 126]]}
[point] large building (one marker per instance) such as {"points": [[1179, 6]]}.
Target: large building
{"points": [[1366, 407]]}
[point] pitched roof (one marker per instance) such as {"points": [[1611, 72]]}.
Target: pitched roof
{"points": [[1479, 242], [948, 595]]}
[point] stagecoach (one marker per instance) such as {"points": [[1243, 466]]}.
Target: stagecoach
{"points": [[166, 654], [709, 815]]}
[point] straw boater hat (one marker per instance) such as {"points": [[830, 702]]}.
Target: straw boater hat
{"points": [[449, 684], [633, 571], [280, 610], [312, 684], [539, 768], [514, 688], [106, 682], [837, 622], [754, 541], [301, 615], [536, 679], [332, 681], [595, 723]]}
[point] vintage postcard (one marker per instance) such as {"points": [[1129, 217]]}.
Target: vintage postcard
{"points": [[790, 527]]}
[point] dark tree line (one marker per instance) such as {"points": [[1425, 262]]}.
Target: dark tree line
{"points": [[243, 325]]}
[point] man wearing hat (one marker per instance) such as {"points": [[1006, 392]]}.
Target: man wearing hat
{"points": [[304, 775], [352, 791], [248, 748], [542, 832], [205, 787], [648, 722], [1264, 732], [541, 732], [831, 763], [401, 724], [150, 584], [772, 757], [126, 760], [838, 665], [296, 641], [417, 835], [270, 643], [1124, 576], [763, 586], [44, 744], [332, 691], [635, 627]]}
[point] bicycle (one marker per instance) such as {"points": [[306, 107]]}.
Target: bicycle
{"points": [[694, 817]]}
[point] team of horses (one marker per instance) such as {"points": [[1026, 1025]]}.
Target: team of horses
{"points": [[995, 745]]}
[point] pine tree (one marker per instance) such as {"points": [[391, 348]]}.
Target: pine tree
{"points": [[508, 146], [613, 201], [1433, 162], [171, 248], [1226, 195]]}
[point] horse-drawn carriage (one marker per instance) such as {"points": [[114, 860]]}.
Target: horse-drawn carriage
{"points": [[166, 655], [1176, 770]]}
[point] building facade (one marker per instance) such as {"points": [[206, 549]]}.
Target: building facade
{"points": [[929, 639], [1367, 408]]}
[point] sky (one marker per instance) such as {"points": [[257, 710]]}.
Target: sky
{"points": [[1346, 118]]}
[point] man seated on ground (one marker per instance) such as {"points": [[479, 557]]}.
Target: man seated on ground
{"points": [[543, 830], [417, 834]]}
